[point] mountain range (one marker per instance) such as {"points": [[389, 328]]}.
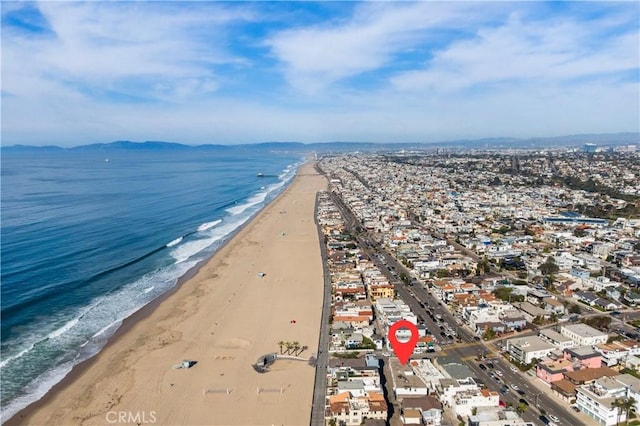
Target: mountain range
{"points": [[603, 139]]}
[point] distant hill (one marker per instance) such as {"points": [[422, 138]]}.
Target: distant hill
{"points": [[605, 139]]}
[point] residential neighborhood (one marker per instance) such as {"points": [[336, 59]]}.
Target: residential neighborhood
{"points": [[522, 286]]}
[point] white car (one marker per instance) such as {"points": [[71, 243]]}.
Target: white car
{"points": [[499, 373], [554, 418], [514, 369], [515, 387]]}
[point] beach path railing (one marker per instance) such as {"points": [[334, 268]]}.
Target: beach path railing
{"points": [[279, 390], [225, 391]]}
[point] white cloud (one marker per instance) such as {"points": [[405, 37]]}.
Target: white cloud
{"points": [[126, 70], [120, 47], [314, 57], [527, 52]]}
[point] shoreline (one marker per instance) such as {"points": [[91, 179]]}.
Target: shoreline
{"points": [[146, 312]]}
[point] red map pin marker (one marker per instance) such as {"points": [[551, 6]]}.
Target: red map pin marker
{"points": [[403, 350]]}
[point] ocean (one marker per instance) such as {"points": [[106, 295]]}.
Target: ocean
{"points": [[89, 240]]}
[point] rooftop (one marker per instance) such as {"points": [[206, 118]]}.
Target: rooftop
{"points": [[583, 330]]}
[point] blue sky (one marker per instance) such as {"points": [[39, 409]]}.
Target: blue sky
{"points": [[241, 72]]}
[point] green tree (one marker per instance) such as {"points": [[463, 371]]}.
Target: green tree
{"points": [[549, 267], [489, 334], [521, 408], [624, 405], [294, 347], [281, 344], [601, 322]]}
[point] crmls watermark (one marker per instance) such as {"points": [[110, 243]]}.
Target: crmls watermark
{"points": [[128, 417]]}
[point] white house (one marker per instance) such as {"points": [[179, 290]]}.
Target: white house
{"points": [[597, 399], [525, 349], [464, 402], [584, 335]]}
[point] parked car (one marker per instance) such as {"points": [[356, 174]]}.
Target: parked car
{"points": [[499, 373], [514, 369], [482, 367], [554, 418], [514, 387]]}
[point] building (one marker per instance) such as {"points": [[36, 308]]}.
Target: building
{"points": [[464, 402], [583, 357], [496, 416], [598, 400], [584, 335], [351, 410], [617, 352], [525, 349], [556, 339], [550, 370], [430, 409]]}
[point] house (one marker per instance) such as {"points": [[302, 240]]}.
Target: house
{"points": [[377, 291], [587, 297], [597, 400], [483, 327], [565, 390], [550, 370], [537, 296], [583, 357], [464, 402], [530, 311], [632, 298], [606, 304], [351, 410], [556, 339], [496, 416], [513, 320], [617, 352], [584, 335], [525, 349], [429, 406], [580, 273], [588, 375], [614, 292], [554, 306], [411, 416]]}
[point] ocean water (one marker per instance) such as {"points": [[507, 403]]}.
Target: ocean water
{"points": [[87, 242]]}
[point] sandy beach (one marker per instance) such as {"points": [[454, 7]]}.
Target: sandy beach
{"points": [[224, 317]]}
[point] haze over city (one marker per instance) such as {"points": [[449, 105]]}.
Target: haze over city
{"points": [[215, 72]]}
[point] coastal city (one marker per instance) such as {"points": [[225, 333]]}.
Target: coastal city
{"points": [[519, 268]]}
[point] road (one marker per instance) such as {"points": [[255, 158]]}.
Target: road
{"points": [[320, 383]]}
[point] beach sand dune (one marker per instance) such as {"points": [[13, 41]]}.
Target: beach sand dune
{"points": [[265, 286]]}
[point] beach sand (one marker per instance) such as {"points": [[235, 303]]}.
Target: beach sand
{"points": [[224, 317]]}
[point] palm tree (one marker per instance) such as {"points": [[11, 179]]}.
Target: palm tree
{"points": [[289, 346], [281, 344], [617, 403], [296, 346], [624, 405]]}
